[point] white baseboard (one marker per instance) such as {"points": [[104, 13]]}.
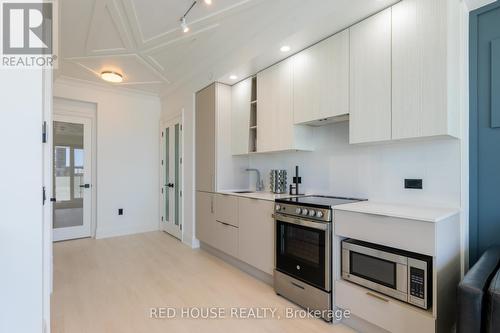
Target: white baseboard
{"points": [[115, 232]]}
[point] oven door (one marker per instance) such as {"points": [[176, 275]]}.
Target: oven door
{"points": [[303, 250]]}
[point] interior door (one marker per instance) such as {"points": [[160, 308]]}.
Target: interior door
{"points": [[72, 174], [172, 178]]}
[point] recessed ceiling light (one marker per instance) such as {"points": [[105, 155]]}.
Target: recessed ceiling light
{"points": [[208, 2], [285, 48], [233, 77], [111, 76]]}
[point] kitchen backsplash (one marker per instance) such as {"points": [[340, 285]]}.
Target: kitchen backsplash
{"points": [[375, 172]]}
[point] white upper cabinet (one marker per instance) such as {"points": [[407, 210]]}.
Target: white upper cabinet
{"points": [[424, 102], [240, 116], [370, 79], [275, 126], [321, 80]]}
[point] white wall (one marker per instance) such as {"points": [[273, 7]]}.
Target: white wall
{"points": [[127, 156], [21, 213], [374, 172]]}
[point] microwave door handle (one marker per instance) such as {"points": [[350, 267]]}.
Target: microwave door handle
{"points": [[380, 298]]}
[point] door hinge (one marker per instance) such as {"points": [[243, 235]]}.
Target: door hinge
{"points": [[44, 196], [162, 134], [180, 161], [180, 226], [181, 127], [162, 190], [161, 162], [44, 132], [180, 193], [162, 218]]}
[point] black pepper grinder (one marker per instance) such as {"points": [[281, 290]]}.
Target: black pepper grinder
{"points": [[296, 181]]}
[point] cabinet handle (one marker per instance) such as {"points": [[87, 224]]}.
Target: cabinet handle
{"points": [[212, 204], [226, 224], [378, 297]]}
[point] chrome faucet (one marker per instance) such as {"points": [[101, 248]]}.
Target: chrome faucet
{"points": [[259, 186]]}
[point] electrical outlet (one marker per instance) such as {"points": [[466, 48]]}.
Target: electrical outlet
{"points": [[414, 184], [120, 211]]}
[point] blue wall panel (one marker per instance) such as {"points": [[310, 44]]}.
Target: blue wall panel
{"points": [[484, 127], [495, 83]]}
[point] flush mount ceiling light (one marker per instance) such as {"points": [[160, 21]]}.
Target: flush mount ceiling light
{"points": [[111, 76], [208, 2], [285, 48], [233, 77]]}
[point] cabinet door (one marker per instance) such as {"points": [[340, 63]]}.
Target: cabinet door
{"points": [[275, 130], [256, 233], [370, 79], [321, 80], [226, 209], [419, 73], [240, 116], [205, 139], [205, 217]]}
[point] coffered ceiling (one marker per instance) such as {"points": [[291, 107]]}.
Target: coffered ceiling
{"points": [[142, 39]]}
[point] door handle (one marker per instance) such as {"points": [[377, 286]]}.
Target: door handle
{"points": [[171, 185], [85, 186]]}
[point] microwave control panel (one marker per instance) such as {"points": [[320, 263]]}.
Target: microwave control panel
{"points": [[417, 282]]}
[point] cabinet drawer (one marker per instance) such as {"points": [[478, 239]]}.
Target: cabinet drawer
{"points": [[226, 209], [381, 310], [410, 235], [225, 238]]}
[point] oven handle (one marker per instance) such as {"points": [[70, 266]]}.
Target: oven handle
{"points": [[302, 222]]}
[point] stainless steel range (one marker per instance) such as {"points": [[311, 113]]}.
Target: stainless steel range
{"points": [[303, 264]]}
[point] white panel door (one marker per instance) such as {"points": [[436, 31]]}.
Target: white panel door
{"points": [[171, 221], [321, 80], [419, 73], [370, 79], [72, 177]]}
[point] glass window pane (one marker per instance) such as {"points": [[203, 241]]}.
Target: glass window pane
{"points": [[177, 178], [69, 157], [167, 171]]}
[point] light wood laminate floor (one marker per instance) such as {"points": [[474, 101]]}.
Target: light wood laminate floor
{"points": [[110, 285]]}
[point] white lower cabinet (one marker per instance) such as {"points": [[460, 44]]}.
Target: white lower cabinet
{"points": [[226, 209], [220, 235], [382, 311], [256, 233], [240, 227]]}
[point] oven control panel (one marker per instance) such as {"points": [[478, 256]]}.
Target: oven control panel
{"points": [[304, 212]]}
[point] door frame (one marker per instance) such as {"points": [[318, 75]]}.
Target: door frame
{"points": [[163, 124], [67, 107]]}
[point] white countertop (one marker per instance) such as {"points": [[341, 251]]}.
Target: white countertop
{"points": [[258, 195], [412, 212]]}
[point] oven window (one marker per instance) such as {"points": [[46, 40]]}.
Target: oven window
{"points": [[374, 269], [300, 252], [303, 244]]}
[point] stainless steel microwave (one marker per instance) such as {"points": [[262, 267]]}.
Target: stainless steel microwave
{"points": [[400, 274]]}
